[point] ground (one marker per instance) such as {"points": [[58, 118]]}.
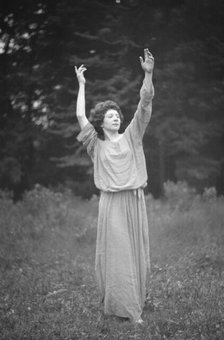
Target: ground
{"points": [[48, 288]]}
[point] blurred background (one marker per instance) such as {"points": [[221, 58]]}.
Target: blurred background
{"points": [[41, 41]]}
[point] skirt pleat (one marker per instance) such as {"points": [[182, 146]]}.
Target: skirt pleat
{"points": [[122, 261]]}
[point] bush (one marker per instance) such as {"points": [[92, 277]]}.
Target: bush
{"points": [[43, 210], [209, 194], [179, 195]]}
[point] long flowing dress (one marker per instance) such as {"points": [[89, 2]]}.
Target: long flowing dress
{"points": [[122, 261]]}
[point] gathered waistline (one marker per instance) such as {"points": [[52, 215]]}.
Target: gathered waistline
{"points": [[138, 192]]}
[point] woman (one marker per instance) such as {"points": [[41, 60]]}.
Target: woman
{"points": [[122, 260]]}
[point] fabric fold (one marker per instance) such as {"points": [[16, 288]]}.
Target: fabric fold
{"points": [[122, 261]]}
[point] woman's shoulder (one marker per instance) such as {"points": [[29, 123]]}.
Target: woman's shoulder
{"points": [[87, 131]]}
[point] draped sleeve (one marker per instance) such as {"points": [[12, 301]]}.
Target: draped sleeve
{"points": [[138, 124], [88, 137]]}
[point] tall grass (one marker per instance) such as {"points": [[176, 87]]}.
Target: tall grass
{"points": [[48, 289]]}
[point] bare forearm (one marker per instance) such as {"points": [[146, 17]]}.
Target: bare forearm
{"points": [[81, 106], [148, 78], [81, 103], [147, 89]]}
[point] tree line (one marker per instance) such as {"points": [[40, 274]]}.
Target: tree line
{"points": [[41, 41]]}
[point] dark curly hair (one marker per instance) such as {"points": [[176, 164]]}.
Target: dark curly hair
{"points": [[98, 112]]}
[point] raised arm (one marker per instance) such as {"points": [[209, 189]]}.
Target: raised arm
{"points": [[147, 90], [142, 116], [81, 104]]}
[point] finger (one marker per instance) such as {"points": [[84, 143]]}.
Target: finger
{"points": [[148, 52], [145, 53], [76, 70], [83, 68], [150, 58], [141, 60], [80, 68], [149, 55]]}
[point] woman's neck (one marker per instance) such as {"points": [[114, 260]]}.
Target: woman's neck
{"points": [[112, 136]]}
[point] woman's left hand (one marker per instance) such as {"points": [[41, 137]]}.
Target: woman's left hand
{"points": [[148, 64]]}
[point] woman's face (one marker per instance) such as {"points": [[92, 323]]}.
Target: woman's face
{"points": [[112, 120]]}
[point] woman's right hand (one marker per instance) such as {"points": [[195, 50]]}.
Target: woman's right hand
{"points": [[80, 74]]}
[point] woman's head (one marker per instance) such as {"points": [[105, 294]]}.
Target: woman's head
{"points": [[105, 113]]}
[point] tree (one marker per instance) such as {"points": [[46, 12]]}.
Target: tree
{"points": [[40, 42], [21, 25], [185, 126], [100, 44]]}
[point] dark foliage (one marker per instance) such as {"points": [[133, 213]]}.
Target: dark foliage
{"points": [[40, 42]]}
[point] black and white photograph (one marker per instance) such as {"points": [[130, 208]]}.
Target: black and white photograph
{"points": [[112, 170]]}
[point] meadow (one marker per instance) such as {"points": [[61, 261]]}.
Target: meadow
{"points": [[47, 284]]}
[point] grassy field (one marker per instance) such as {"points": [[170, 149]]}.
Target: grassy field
{"points": [[47, 285]]}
